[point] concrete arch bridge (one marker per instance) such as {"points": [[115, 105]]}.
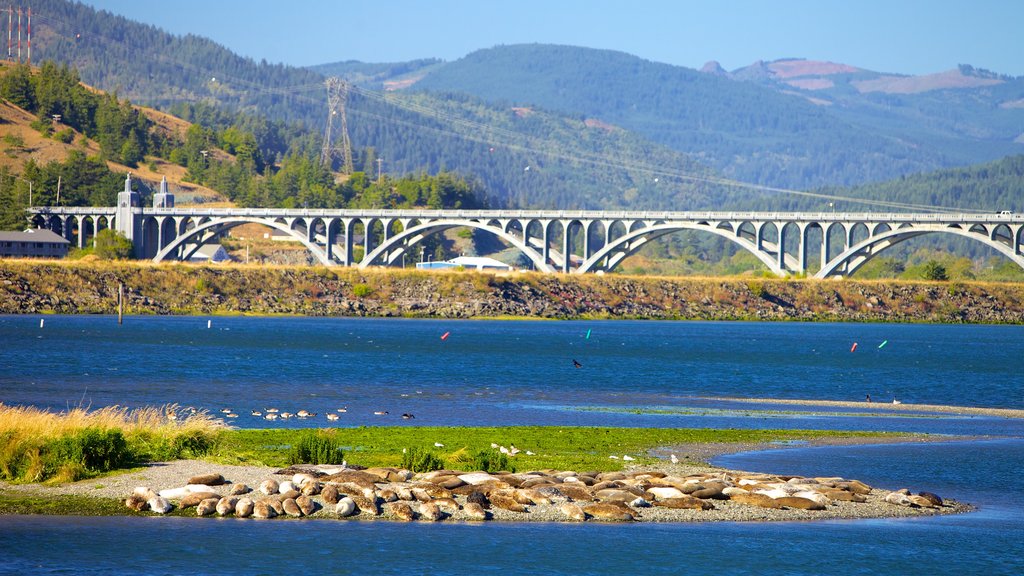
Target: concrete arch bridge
{"points": [[594, 241]]}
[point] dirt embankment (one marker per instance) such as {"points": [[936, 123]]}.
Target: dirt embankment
{"points": [[91, 288]]}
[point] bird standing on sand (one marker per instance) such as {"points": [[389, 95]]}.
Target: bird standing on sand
{"points": [[673, 459]]}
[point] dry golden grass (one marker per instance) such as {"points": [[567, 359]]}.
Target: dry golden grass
{"points": [[39, 423]]}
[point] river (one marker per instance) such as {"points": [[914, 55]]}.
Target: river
{"points": [[639, 373]]}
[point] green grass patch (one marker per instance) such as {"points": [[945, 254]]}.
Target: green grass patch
{"points": [[559, 447]]}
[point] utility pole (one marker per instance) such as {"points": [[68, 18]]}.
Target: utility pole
{"points": [[380, 163], [337, 95]]}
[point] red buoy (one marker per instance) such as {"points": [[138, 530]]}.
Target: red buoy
{"points": [[445, 335], [854, 347]]}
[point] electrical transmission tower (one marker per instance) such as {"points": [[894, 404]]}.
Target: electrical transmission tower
{"points": [[337, 94]]}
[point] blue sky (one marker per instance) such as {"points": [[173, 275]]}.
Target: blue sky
{"points": [[901, 36]]}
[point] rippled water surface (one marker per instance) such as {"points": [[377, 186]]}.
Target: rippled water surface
{"points": [[500, 373]]}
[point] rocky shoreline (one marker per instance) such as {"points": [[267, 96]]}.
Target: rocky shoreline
{"points": [[31, 287], [674, 492]]}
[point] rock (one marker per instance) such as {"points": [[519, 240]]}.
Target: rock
{"points": [[226, 505], [475, 511], [244, 507], [478, 498], [269, 487], [345, 507], [263, 509], [935, 499], [401, 510], [430, 511], [329, 494], [159, 504], [239, 489], [572, 512], [608, 512], [685, 502], [799, 503], [306, 505], [136, 502], [291, 508], [212, 479], [194, 498], [207, 506], [754, 499]]}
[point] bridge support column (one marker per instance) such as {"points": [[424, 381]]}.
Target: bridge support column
{"points": [[566, 247], [802, 249]]}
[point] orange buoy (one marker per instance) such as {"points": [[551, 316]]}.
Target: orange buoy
{"points": [[854, 347], [445, 335]]}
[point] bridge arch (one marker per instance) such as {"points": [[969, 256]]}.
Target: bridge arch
{"points": [[621, 247], [859, 254], [196, 234], [390, 249]]}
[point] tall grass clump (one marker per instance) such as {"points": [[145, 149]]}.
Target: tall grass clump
{"points": [[417, 460], [491, 461], [38, 445], [316, 448]]}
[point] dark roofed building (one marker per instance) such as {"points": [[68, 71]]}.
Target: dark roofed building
{"points": [[37, 243]]}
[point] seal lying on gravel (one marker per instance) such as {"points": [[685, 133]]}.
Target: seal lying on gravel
{"points": [[551, 495]]}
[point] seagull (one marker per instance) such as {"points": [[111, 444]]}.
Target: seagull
{"points": [[513, 450], [627, 457], [895, 401], [528, 453], [493, 445], [614, 457], [502, 449], [673, 459], [438, 445]]}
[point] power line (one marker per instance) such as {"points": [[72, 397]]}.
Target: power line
{"points": [[481, 132]]}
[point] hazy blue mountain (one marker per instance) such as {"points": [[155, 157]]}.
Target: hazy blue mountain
{"points": [[765, 123]]}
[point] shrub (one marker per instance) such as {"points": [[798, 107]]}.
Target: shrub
{"points": [[361, 290], [418, 460], [112, 245], [315, 448], [490, 461], [93, 449], [934, 271]]}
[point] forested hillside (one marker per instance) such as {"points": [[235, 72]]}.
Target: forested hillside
{"points": [[746, 130], [519, 157]]}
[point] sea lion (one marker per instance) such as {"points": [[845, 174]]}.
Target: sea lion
{"points": [[475, 511], [244, 507], [207, 507], [345, 507], [226, 505], [572, 512], [306, 505], [212, 479]]}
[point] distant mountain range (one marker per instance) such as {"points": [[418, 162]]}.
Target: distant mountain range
{"points": [[567, 127]]}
